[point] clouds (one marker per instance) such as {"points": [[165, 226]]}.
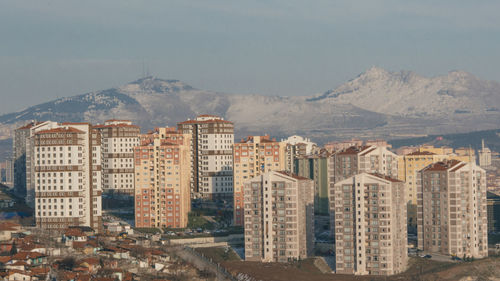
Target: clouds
{"points": [[271, 47]]}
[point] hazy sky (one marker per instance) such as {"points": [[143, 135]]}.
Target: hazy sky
{"points": [[59, 48]]}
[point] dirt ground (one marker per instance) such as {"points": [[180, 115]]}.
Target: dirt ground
{"points": [[419, 270]]}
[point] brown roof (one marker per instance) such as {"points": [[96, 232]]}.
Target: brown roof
{"points": [[5, 259], [385, 177], [421, 153], [368, 151], [117, 120], [115, 126], [352, 150], [27, 255], [40, 270], [60, 130], [292, 175], [443, 165], [205, 122], [74, 232]]}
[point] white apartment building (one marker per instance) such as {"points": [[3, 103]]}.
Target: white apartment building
{"points": [[212, 154], [66, 175], [118, 139], [370, 225]]}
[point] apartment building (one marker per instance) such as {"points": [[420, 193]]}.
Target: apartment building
{"points": [[279, 217], [162, 179], [296, 147], [370, 225], [315, 167], [7, 169], [484, 156], [452, 209], [409, 166], [66, 175], [118, 139], [21, 136], [493, 211], [252, 157], [212, 156], [358, 159]]}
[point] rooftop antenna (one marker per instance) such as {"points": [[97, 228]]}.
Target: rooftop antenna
{"points": [[143, 69]]}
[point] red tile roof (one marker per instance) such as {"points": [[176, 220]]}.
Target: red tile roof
{"points": [[60, 130], [421, 153], [288, 174], [443, 165], [115, 126], [352, 150], [385, 177]]}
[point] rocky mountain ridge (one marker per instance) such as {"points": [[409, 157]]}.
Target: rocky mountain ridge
{"points": [[377, 103]]}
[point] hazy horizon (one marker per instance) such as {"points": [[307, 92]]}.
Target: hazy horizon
{"points": [[61, 48]]}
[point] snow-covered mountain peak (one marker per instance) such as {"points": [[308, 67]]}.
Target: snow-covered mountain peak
{"points": [[152, 85]]}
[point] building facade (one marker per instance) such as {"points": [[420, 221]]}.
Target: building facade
{"points": [[409, 166], [484, 156], [212, 140], [66, 175], [452, 209], [354, 160], [21, 136], [252, 157], [162, 179], [279, 217], [118, 139], [370, 230], [315, 167], [493, 211]]}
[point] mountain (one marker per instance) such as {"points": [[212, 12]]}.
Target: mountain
{"points": [[376, 104], [406, 93]]}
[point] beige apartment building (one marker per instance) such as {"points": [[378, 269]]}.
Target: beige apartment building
{"points": [[212, 140], [118, 139], [162, 179], [370, 225], [358, 159], [452, 209], [252, 157], [279, 217], [65, 171], [410, 164]]}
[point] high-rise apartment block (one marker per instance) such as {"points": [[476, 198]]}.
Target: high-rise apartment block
{"points": [[162, 179], [484, 156], [370, 225], [296, 147], [452, 209], [252, 157], [21, 136], [279, 217], [409, 166], [66, 175], [315, 167], [212, 156], [358, 159], [118, 139]]}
